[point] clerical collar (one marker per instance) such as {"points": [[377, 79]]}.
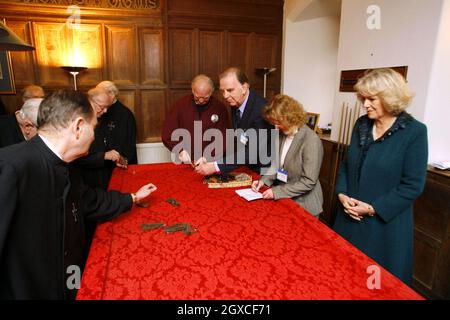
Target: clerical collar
{"points": [[51, 147]]}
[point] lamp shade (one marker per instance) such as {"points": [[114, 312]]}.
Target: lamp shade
{"points": [[9, 41], [73, 68]]}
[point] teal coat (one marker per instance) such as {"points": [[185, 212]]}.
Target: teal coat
{"points": [[390, 174]]}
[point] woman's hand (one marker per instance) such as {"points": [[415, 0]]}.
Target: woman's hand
{"points": [[355, 208], [268, 194], [256, 185]]}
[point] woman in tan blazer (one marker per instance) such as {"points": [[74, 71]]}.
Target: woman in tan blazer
{"points": [[296, 173]]}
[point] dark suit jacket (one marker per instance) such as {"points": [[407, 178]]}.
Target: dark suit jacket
{"points": [[10, 132], [251, 119]]}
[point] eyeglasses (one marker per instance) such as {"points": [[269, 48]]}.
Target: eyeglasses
{"points": [[199, 100]]}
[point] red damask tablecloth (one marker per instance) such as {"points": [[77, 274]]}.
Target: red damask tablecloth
{"points": [[241, 250]]}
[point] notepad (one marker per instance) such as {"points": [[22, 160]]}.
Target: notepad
{"points": [[249, 194]]}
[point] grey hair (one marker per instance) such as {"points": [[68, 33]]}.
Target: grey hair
{"points": [[110, 87], [30, 109], [202, 78]]}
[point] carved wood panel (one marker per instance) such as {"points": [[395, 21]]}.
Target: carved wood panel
{"points": [[263, 54], [152, 56], [151, 115], [183, 56], [122, 62], [86, 49], [128, 98], [211, 54], [51, 51], [238, 53], [174, 95]]}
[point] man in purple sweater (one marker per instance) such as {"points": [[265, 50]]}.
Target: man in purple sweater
{"points": [[200, 107]]}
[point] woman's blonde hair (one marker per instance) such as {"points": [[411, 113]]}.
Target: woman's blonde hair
{"points": [[286, 111], [388, 85]]}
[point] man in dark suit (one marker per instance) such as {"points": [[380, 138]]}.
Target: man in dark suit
{"points": [[248, 123]]}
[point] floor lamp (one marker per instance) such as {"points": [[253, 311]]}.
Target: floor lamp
{"points": [[265, 71], [74, 72]]}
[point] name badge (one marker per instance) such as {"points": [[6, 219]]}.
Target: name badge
{"points": [[244, 139], [282, 175]]}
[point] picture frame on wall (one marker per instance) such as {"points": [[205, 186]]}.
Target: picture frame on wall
{"points": [[313, 121], [7, 85]]}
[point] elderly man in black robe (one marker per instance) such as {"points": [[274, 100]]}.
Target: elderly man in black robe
{"points": [[20, 126], [115, 137], [44, 202]]}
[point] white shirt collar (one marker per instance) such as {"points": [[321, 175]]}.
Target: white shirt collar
{"points": [[51, 147], [244, 104]]}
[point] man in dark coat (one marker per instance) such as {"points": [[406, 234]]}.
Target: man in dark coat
{"points": [[198, 107], [247, 117], [115, 137], [44, 202]]}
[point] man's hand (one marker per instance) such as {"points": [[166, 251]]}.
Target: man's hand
{"points": [[112, 155], [204, 168], [143, 192], [184, 157]]}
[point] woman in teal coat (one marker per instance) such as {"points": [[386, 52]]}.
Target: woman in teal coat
{"points": [[383, 173]]}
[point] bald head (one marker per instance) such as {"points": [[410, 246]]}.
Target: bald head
{"points": [[110, 87], [202, 88], [100, 100], [32, 91]]}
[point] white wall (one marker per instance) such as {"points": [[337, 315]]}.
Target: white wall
{"points": [[407, 36], [437, 113], [310, 58], [311, 34], [152, 153]]}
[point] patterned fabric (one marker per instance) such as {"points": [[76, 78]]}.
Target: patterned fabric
{"points": [[241, 250]]}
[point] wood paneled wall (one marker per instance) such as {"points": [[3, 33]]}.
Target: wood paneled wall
{"points": [[151, 49]]}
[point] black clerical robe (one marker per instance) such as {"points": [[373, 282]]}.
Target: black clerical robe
{"points": [[44, 203], [116, 129], [10, 132]]}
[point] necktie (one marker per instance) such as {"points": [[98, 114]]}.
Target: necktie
{"points": [[237, 117]]}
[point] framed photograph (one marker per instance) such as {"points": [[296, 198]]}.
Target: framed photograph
{"points": [[6, 74], [313, 121]]}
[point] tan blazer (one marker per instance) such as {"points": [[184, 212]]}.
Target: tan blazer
{"points": [[302, 163]]}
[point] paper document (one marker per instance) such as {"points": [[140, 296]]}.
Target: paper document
{"points": [[249, 194], [443, 165]]}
